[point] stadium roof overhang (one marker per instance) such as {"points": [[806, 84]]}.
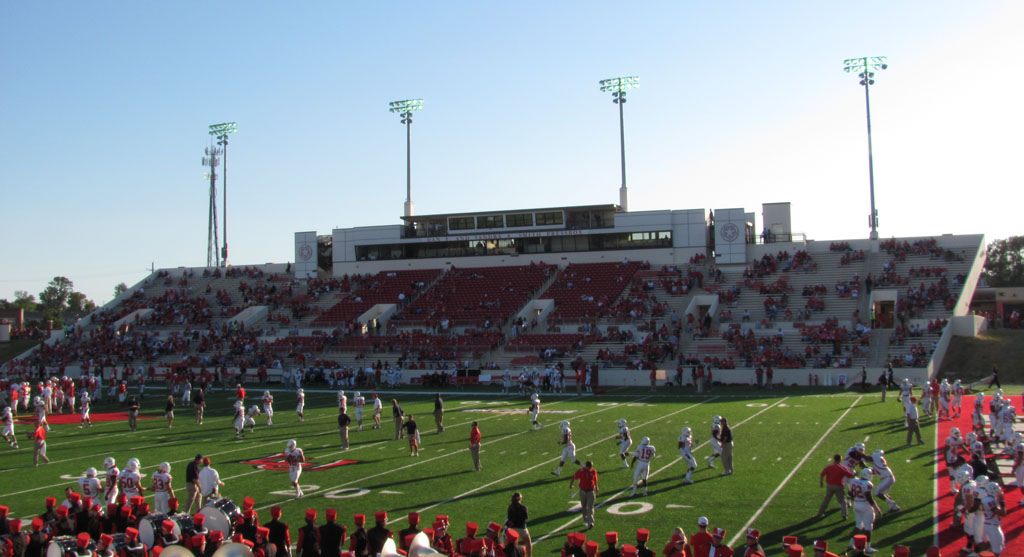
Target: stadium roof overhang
{"points": [[606, 207]]}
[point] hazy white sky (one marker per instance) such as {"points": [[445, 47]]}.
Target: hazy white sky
{"points": [[105, 107]]}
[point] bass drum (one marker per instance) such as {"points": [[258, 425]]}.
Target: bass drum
{"points": [[221, 515], [62, 546], [150, 527]]}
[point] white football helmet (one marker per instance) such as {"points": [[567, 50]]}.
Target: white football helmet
{"points": [[239, 404], [266, 393], [290, 445], [686, 431], [993, 490], [341, 393], [565, 424], [300, 390], [645, 441], [133, 464], [964, 474], [716, 419], [358, 394], [999, 393], [535, 397], [971, 438], [621, 422], [877, 455], [859, 447], [955, 432], [165, 467], [977, 447], [90, 472], [865, 474], [981, 482], [979, 400], [108, 462], [1018, 437]]}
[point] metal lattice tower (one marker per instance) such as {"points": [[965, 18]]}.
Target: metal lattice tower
{"points": [[212, 159]]}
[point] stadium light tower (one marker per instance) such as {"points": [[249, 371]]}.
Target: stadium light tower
{"points": [[221, 131], [405, 109], [865, 69], [618, 87], [212, 159]]}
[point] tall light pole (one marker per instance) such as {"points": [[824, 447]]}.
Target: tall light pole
{"points": [[212, 159], [865, 69], [221, 131], [405, 109], [618, 86]]}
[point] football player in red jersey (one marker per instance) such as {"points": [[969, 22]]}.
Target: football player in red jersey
{"points": [[295, 458]]}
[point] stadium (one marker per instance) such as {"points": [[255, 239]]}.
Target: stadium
{"points": [[716, 359]]}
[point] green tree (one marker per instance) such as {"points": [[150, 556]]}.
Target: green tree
{"points": [[23, 300], [1005, 263], [53, 300], [120, 288], [79, 305]]}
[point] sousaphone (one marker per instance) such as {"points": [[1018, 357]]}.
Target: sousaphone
{"points": [[420, 546], [176, 551], [232, 550]]}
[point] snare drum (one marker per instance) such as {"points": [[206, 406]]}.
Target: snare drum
{"points": [[150, 527], [62, 546], [221, 515]]}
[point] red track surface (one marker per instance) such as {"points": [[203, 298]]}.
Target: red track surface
{"points": [[952, 539], [63, 419]]}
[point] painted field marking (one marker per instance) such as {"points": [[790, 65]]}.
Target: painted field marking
{"points": [[419, 462], [743, 530], [655, 473], [548, 462]]}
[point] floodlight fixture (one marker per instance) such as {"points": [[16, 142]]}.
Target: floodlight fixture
{"points": [[865, 69], [618, 87], [405, 108]]}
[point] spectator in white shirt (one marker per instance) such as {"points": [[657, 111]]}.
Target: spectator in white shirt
{"points": [[209, 482]]}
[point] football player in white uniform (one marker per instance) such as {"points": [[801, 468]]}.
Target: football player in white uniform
{"points": [[377, 407], [506, 383], [568, 448], [952, 451], [945, 396], [994, 508], [293, 455], [1018, 463], [239, 419], [976, 515], [268, 407], [1007, 418], [250, 418], [624, 440], [162, 489], [129, 480], [301, 404], [40, 406], [965, 488], [886, 478], [715, 441], [85, 402], [958, 395], [864, 507], [7, 419], [642, 457], [994, 406], [342, 401], [978, 416], [534, 412], [89, 486], [360, 402], [110, 486], [686, 452]]}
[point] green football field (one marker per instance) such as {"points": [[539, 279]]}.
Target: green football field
{"points": [[783, 439]]}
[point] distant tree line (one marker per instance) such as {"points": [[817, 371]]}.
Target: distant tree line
{"points": [[58, 302], [1005, 263]]}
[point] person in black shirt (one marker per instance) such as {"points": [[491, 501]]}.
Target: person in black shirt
{"points": [[397, 415], [343, 421], [133, 413], [642, 536], [169, 411], [248, 526], [279, 534], [199, 401], [377, 535], [612, 538], [37, 540], [358, 540], [512, 547], [726, 440], [309, 537], [262, 547], [412, 530], [516, 517], [192, 483], [413, 433], [439, 413], [332, 536], [17, 541]]}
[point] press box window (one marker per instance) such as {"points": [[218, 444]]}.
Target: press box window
{"points": [[547, 219]]}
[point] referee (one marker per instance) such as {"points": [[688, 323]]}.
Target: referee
{"points": [[192, 484]]}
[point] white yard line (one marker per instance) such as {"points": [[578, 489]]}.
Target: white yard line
{"points": [[549, 461], [743, 531], [424, 461], [655, 473]]}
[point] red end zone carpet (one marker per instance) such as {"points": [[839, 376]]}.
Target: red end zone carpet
{"points": [[63, 419], [952, 539]]}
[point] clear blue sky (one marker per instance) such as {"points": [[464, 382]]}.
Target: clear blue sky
{"points": [[105, 105]]}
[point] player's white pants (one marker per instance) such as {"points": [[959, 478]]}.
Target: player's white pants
{"points": [[643, 468], [994, 536], [624, 446], [864, 516], [688, 458], [1007, 433], [239, 424], [186, 397], [993, 418], [160, 499], [359, 414], [569, 452], [112, 496], [249, 422], [533, 415], [978, 517], [8, 429], [268, 410], [716, 447], [294, 472], [883, 487], [85, 414], [299, 408], [1019, 473]]}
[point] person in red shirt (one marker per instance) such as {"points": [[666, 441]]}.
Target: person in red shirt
{"points": [[700, 541], [587, 478], [474, 446], [835, 476], [240, 393], [40, 440], [719, 548]]}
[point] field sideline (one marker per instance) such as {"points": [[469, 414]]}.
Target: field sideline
{"points": [[783, 440]]}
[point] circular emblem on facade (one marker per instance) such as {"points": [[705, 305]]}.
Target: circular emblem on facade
{"points": [[730, 232], [305, 252]]}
